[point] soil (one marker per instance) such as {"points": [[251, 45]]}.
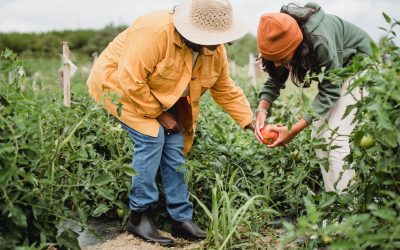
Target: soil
{"points": [[125, 241], [109, 235]]}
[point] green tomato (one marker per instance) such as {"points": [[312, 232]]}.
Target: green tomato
{"points": [[327, 239], [120, 213], [367, 141], [298, 157]]}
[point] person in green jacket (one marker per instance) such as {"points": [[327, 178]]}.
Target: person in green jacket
{"points": [[303, 39]]}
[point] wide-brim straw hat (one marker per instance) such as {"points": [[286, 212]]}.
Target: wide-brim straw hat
{"points": [[207, 22]]}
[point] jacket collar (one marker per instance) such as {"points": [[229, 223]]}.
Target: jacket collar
{"points": [[179, 42], [177, 39], [208, 52]]}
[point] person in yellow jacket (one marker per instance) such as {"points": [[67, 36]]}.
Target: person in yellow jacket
{"points": [[151, 77]]}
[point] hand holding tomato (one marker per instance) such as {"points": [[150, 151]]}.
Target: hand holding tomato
{"points": [[269, 136], [285, 136], [259, 124]]}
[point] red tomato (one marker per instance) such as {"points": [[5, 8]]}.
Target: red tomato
{"points": [[269, 136]]}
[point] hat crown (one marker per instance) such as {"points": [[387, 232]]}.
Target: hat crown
{"points": [[278, 36], [211, 15]]}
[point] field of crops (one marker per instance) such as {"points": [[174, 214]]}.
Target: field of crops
{"points": [[61, 164]]}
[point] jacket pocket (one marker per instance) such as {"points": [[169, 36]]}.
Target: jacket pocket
{"points": [[164, 78], [208, 82], [169, 73]]}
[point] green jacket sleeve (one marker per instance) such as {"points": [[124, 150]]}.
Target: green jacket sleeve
{"points": [[272, 87]]}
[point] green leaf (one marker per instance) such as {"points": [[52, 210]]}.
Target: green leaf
{"points": [[288, 226], [375, 48], [18, 216], [100, 209], [102, 179], [310, 207], [106, 193], [203, 206], [384, 29], [271, 211], [388, 139], [386, 214], [119, 108], [387, 18], [321, 75], [128, 170], [328, 202], [68, 239]]}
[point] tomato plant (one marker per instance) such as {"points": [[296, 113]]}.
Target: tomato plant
{"points": [[56, 163], [367, 215]]}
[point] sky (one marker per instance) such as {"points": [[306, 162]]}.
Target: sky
{"points": [[47, 15]]}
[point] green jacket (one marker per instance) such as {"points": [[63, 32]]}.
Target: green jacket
{"points": [[335, 42]]}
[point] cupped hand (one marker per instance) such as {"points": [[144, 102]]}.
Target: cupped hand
{"points": [[259, 124], [284, 135]]}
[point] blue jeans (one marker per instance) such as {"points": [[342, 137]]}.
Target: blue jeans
{"points": [[164, 152]]}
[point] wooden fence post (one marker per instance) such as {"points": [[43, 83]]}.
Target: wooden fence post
{"points": [[66, 75], [251, 73], [233, 68], [10, 77], [95, 55]]}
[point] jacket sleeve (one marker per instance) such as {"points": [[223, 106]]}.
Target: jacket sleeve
{"points": [[231, 97], [139, 57], [272, 87]]}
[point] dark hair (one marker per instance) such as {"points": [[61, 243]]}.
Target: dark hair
{"points": [[303, 59]]}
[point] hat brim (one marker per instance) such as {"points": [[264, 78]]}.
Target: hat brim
{"points": [[183, 24]]}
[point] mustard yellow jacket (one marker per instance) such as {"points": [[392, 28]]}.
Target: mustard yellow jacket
{"points": [[147, 67]]}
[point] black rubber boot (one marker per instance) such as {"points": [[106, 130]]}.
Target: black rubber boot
{"points": [[187, 230], [142, 225]]}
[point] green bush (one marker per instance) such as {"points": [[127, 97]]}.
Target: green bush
{"points": [[88, 41], [49, 43], [56, 163]]}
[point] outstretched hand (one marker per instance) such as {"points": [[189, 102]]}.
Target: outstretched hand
{"points": [[284, 135]]}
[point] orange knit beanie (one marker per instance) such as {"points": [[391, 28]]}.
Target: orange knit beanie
{"points": [[278, 36]]}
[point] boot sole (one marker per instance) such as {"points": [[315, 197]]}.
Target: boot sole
{"points": [[147, 240], [175, 235]]}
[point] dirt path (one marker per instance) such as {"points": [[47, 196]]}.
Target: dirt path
{"points": [[126, 241], [114, 237]]}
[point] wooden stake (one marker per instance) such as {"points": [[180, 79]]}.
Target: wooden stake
{"points": [[66, 75], [233, 68], [10, 77], [251, 73], [95, 55]]}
